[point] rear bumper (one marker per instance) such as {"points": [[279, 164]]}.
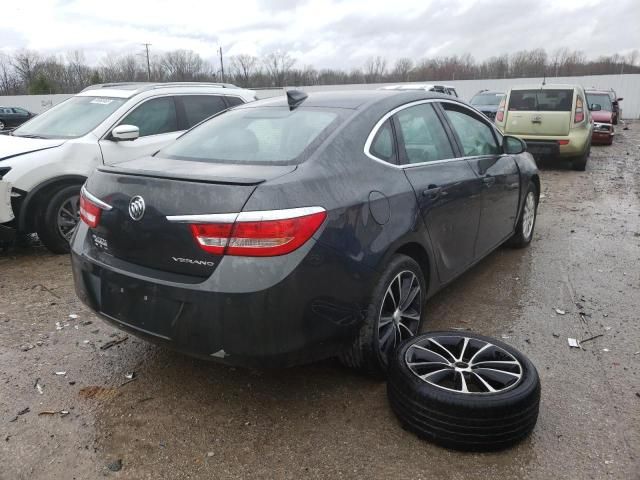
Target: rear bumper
{"points": [[311, 313], [578, 138]]}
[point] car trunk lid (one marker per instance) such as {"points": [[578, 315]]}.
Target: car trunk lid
{"points": [[539, 112], [168, 188]]}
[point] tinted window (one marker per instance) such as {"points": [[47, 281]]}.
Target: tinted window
{"points": [[72, 118], [154, 117], [255, 135], [475, 136], [20, 111], [234, 101], [199, 107], [423, 136], [541, 100], [383, 146]]}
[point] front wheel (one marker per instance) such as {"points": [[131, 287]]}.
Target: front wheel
{"points": [[395, 314], [59, 219], [2, 125], [527, 221]]}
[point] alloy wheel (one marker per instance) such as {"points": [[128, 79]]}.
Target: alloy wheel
{"points": [[68, 217], [400, 312], [464, 365], [528, 215]]}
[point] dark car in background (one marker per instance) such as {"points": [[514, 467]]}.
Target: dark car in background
{"points": [[487, 101], [615, 102], [12, 117], [300, 228], [601, 106]]}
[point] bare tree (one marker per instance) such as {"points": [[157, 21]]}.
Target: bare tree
{"points": [[278, 65], [26, 64], [374, 69], [402, 69], [243, 67]]}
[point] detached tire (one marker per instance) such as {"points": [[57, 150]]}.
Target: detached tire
{"points": [[59, 219], [464, 391]]}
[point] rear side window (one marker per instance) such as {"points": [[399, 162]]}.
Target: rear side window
{"points": [[199, 107], [423, 136], [154, 117], [383, 146], [268, 135], [475, 136], [541, 100], [234, 101]]}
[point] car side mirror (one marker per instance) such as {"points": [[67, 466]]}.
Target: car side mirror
{"points": [[595, 107], [123, 133], [513, 145]]}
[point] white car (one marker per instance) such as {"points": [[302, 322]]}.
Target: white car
{"points": [[44, 162], [446, 89]]}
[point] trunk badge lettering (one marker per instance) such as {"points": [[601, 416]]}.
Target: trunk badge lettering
{"points": [[193, 262], [136, 208]]}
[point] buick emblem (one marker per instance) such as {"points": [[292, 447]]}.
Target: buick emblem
{"points": [[136, 207]]}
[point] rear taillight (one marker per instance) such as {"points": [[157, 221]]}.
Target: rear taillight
{"points": [[579, 115], [260, 234], [500, 112], [91, 208]]}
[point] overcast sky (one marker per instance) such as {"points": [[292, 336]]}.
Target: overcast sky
{"points": [[323, 33]]}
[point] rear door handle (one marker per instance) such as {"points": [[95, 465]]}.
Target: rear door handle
{"points": [[433, 192], [488, 181]]}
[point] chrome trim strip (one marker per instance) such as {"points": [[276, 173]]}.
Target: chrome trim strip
{"points": [[255, 216], [389, 114], [93, 199]]}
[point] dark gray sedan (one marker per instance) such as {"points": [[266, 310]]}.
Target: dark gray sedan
{"points": [[302, 227]]}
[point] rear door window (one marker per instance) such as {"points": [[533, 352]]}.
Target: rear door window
{"points": [[154, 117], [474, 135], [541, 100], [422, 135], [199, 107]]}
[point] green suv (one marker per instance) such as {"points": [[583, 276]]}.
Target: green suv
{"points": [[554, 120]]}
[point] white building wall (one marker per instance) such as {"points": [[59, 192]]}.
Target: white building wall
{"points": [[626, 86]]}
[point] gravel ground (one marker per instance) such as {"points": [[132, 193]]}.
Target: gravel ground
{"points": [[184, 418]]}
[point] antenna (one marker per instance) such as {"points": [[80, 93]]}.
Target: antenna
{"points": [[295, 98], [146, 46], [544, 79]]}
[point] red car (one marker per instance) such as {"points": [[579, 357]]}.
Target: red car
{"points": [[601, 108]]}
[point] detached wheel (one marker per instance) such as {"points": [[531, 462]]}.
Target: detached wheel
{"points": [[59, 219], [527, 219], [464, 391], [394, 314]]}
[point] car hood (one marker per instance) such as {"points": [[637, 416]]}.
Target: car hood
{"points": [[488, 108], [11, 146], [601, 116]]}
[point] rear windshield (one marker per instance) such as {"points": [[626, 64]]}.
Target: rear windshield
{"points": [[261, 135], [487, 99], [541, 100]]}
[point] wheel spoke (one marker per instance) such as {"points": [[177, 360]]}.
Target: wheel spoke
{"points": [[479, 352], [393, 298], [495, 362], [384, 321], [401, 326], [464, 348], [427, 375], [410, 298], [486, 369], [484, 383], [421, 364], [446, 350], [463, 383], [419, 347]]}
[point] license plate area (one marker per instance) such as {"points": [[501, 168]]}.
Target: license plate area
{"points": [[139, 305]]}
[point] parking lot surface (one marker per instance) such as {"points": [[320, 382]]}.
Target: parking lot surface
{"points": [[182, 418]]}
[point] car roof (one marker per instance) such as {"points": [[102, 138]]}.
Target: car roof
{"points": [[598, 90], [349, 99], [548, 86], [130, 89], [416, 86]]}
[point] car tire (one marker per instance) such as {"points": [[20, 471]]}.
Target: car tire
{"points": [[381, 332], [2, 125], [527, 219], [429, 400], [56, 217], [580, 163]]}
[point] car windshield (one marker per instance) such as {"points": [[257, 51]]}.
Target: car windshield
{"points": [[71, 119], [267, 135], [541, 100], [601, 99], [487, 99]]}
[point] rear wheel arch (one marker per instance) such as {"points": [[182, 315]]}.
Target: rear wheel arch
{"points": [[419, 253], [37, 197], [536, 181]]}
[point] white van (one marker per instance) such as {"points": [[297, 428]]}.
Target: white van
{"points": [[44, 162]]}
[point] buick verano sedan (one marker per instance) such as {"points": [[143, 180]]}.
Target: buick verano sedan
{"points": [[304, 227]]}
